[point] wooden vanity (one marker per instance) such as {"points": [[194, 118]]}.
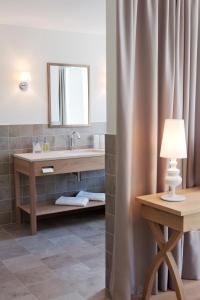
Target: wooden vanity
{"points": [[47, 164]]}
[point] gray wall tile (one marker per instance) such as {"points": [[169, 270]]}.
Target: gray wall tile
{"points": [[111, 151], [4, 180], [37, 130], [3, 143], [4, 131], [15, 143], [26, 130], [4, 193], [110, 144], [26, 142], [4, 168], [14, 130], [6, 205], [5, 218], [60, 141], [4, 156]]}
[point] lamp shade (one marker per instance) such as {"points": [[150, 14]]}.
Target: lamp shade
{"points": [[173, 141], [25, 76]]}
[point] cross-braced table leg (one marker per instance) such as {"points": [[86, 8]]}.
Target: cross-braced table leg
{"points": [[164, 255]]}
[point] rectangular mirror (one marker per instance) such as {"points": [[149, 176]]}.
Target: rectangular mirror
{"points": [[68, 94]]}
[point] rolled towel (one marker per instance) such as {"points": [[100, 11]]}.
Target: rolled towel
{"points": [[72, 201], [92, 196]]}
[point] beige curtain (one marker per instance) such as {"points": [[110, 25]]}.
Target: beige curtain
{"points": [[158, 71]]}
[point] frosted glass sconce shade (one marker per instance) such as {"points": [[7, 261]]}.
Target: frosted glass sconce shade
{"points": [[25, 78]]}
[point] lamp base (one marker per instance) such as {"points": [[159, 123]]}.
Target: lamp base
{"points": [[173, 198], [173, 179]]}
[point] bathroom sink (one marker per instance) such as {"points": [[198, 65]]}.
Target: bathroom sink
{"points": [[88, 151], [63, 154]]}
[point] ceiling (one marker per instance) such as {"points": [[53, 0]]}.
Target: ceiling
{"points": [[88, 16]]}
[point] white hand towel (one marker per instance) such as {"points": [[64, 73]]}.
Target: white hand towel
{"points": [[92, 196], [102, 141], [96, 141], [72, 201]]}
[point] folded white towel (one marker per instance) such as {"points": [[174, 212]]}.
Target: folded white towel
{"points": [[102, 141], [92, 196], [72, 201]]}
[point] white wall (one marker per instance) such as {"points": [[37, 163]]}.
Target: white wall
{"points": [[26, 49], [111, 56]]}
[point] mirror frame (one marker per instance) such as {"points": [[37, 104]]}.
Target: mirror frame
{"points": [[49, 95]]}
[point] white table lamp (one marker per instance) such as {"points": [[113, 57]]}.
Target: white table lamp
{"points": [[173, 147]]}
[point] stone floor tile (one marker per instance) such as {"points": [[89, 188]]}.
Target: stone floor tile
{"points": [[5, 274], [94, 264], [40, 246], [4, 235], [85, 249], [67, 240], [10, 249], [83, 231], [35, 275], [50, 289], [71, 296], [91, 256], [90, 287], [74, 273], [64, 261], [22, 263], [95, 239], [58, 261], [14, 289], [17, 230], [57, 231], [101, 295], [88, 230]]}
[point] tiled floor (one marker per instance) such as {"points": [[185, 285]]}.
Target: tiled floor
{"points": [[64, 261]]}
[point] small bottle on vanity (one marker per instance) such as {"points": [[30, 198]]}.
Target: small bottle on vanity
{"points": [[45, 145], [37, 147]]}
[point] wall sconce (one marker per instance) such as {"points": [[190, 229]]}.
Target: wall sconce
{"points": [[25, 78]]}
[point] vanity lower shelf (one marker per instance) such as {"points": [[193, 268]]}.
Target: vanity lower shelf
{"points": [[48, 208]]}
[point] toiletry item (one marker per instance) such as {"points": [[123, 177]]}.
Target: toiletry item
{"points": [[102, 141], [96, 141], [37, 147], [45, 145], [72, 201]]}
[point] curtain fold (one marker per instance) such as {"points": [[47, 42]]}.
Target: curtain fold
{"points": [[157, 73]]}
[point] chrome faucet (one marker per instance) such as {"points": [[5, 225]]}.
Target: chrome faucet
{"points": [[75, 134]]}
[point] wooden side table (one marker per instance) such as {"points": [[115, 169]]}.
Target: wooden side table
{"points": [[181, 217]]}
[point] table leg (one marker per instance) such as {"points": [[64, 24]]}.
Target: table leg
{"points": [[33, 200], [17, 196], [164, 255]]}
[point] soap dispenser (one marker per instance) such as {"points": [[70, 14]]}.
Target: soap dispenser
{"points": [[45, 145], [37, 147]]}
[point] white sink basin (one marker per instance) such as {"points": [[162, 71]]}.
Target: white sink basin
{"points": [[63, 154]]}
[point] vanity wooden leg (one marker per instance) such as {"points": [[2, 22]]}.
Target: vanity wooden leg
{"points": [[17, 196], [164, 255], [33, 200]]}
